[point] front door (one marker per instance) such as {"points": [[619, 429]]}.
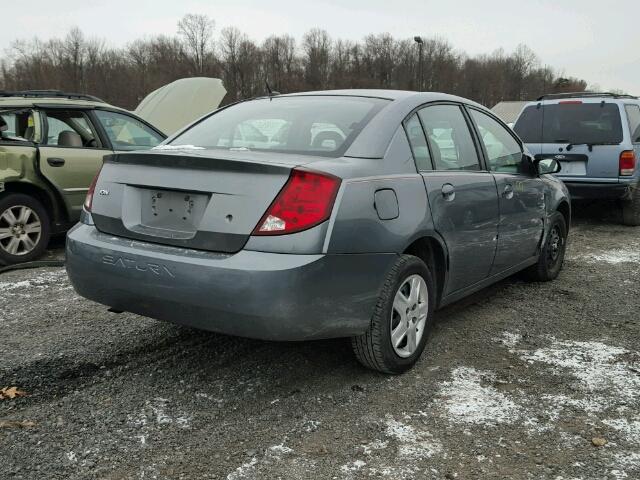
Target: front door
{"points": [[462, 196], [71, 154], [521, 193]]}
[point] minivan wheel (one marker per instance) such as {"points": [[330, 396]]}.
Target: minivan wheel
{"points": [[552, 255], [631, 209], [402, 319], [24, 228]]}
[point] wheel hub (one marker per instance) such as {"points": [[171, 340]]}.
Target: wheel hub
{"points": [[20, 230], [409, 315]]}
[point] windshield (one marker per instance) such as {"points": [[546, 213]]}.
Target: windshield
{"points": [[571, 122], [316, 125]]}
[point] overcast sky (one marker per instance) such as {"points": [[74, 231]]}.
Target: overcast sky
{"points": [[594, 40]]}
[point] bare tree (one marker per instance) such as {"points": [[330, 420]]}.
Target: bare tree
{"points": [[197, 33]]}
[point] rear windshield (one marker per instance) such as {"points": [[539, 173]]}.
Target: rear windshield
{"points": [[570, 123], [315, 125]]}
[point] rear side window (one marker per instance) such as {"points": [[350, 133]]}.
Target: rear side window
{"points": [[451, 143], [503, 151], [17, 125], [633, 116], [63, 123], [418, 142], [570, 122], [316, 125]]}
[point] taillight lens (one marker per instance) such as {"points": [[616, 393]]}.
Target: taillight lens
{"points": [[88, 201], [627, 163], [305, 201]]}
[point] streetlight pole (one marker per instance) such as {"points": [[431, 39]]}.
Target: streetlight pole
{"points": [[420, 43]]}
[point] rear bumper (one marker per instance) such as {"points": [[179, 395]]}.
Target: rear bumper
{"points": [[250, 294], [599, 191]]}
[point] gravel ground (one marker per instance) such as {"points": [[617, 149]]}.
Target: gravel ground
{"points": [[516, 382]]}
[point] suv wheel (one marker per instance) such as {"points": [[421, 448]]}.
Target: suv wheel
{"points": [[631, 209], [402, 320], [24, 228], [552, 255]]}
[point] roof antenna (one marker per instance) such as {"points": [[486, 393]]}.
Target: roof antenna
{"points": [[271, 93]]}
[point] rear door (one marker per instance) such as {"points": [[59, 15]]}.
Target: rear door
{"points": [[71, 154], [462, 193], [521, 194], [584, 135]]}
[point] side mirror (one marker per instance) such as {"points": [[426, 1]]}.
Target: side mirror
{"points": [[546, 166]]}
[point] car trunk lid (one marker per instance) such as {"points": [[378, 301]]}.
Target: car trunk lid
{"points": [[202, 200]]}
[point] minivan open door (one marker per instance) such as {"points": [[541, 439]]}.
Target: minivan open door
{"points": [[177, 104]]}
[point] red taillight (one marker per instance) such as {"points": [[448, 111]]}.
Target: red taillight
{"points": [[88, 201], [627, 163], [305, 201]]}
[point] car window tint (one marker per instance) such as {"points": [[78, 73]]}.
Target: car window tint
{"points": [[59, 121], [633, 115], [308, 124], [20, 125], [451, 143], [503, 151], [418, 143], [127, 133], [570, 122]]}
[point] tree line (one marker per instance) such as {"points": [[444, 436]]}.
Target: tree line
{"points": [[124, 75]]}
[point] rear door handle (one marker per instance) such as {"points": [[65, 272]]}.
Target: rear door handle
{"points": [[508, 191], [55, 162], [448, 192]]}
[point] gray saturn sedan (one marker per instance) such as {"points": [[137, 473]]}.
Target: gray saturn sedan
{"points": [[350, 213]]}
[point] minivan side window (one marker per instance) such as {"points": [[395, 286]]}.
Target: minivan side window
{"points": [[503, 151], [418, 143], [633, 115], [127, 133], [448, 134]]}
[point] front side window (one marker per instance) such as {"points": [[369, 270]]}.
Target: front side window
{"points": [[418, 143], [451, 143], [127, 133], [503, 151], [570, 122], [633, 116], [70, 128], [315, 125]]}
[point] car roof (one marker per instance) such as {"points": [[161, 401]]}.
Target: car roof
{"points": [[376, 136], [30, 102]]}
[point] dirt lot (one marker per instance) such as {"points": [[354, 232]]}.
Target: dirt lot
{"points": [[515, 383]]}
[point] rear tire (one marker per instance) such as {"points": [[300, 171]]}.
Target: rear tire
{"points": [[25, 228], [552, 255], [403, 315], [631, 209]]}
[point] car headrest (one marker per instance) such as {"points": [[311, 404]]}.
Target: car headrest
{"points": [[68, 138]]}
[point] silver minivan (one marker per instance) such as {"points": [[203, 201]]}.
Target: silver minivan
{"points": [[596, 139]]}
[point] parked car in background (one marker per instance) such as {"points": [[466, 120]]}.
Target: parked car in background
{"points": [[402, 208], [596, 139], [52, 144]]}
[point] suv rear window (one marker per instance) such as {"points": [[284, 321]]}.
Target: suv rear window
{"points": [[315, 125], [590, 123]]}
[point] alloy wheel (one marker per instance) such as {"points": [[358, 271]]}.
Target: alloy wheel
{"points": [[20, 230], [409, 315]]}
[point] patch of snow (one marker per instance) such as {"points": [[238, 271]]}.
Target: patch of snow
{"points": [[629, 428], [596, 365], [510, 340], [40, 282], [413, 443], [614, 257], [375, 445], [467, 400], [243, 470], [352, 467]]}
